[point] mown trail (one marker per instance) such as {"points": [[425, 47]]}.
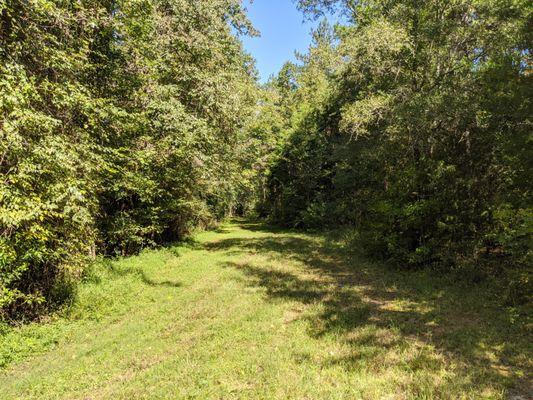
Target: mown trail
{"points": [[248, 312]]}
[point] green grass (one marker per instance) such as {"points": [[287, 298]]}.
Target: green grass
{"points": [[247, 312]]}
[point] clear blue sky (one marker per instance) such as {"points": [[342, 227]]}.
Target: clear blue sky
{"points": [[282, 32]]}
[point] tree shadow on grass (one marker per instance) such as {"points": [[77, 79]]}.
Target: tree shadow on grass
{"points": [[187, 243], [283, 285], [376, 310], [143, 277], [259, 226], [155, 283]]}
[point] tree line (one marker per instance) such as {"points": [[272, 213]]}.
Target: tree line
{"points": [[121, 128], [411, 123], [129, 123]]}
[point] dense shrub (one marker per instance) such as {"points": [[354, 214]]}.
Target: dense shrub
{"points": [[120, 124], [411, 122]]}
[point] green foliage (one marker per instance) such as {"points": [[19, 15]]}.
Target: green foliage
{"points": [[127, 124], [119, 123], [412, 123]]}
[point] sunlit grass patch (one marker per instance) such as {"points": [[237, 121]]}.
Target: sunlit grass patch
{"points": [[252, 313]]}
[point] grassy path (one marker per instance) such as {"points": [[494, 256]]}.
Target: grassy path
{"points": [[250, 313]]}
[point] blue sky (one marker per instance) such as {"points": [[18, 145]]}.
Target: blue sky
{"points": [[282, 32]]}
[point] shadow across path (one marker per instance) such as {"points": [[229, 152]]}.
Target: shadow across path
{"points": [[378, 311]]}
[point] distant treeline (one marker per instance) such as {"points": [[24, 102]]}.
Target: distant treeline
{"points": [[121, 125], [412, 123]]}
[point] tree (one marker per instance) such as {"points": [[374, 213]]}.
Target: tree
{"points": [[411, 141], [119, 125]]}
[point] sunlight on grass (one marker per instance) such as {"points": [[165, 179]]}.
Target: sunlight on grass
{"points": [[250, 313]]}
